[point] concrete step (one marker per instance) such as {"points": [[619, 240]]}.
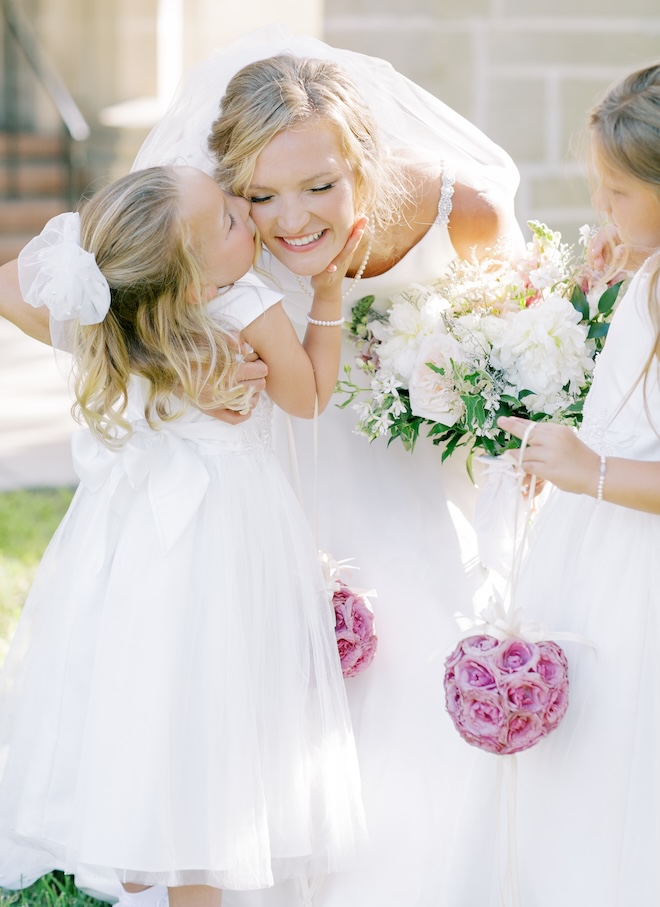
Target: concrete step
{"points": [[32, 145], [35, 179], [24, 214]]}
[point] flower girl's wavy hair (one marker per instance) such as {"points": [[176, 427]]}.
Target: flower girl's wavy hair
{"points": [[283, 91], [153, 328], [625, 132]]}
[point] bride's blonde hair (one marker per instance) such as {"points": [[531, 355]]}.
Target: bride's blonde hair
{"points": [[280, 92], [624, 129], [153, 327]]}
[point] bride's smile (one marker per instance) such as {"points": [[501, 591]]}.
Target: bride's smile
{"points": [[302, 196]]}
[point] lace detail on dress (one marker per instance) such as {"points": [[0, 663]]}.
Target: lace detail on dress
{"points": [[446, 196], [257, 432], [598, 432]]}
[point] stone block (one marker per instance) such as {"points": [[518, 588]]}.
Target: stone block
{"points": [[557, 192], [557, 47], [516, 118], [442, 64], [578, 9], [577, 99]]}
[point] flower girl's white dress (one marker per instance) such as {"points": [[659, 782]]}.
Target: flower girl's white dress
{"points": [[588, 796], [172, 709]]}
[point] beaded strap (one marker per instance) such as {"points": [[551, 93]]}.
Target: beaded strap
{"points": [[446, 196]]}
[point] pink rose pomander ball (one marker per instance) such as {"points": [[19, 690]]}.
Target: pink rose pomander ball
{"points": [[505, 696], [354, 629]]}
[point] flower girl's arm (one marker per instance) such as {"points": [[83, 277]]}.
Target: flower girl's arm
{"points": [[298, 374], [30, 320], [555, 453]]}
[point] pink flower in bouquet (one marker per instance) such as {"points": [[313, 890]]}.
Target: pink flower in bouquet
{"points": [[505, 696], [476, 674], [527, 694], [552, 663], [483, 714], [354, 629], [478, 644], [516, 655], [556, 707], [524, 731]]}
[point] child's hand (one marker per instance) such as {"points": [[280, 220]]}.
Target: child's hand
{"points": [[555, 453], [603, 248], [327, 284]]}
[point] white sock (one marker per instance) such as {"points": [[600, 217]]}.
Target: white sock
{"points": [[150, 897]]}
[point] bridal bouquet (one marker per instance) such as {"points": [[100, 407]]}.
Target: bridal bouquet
{"points": [[490, 339]]}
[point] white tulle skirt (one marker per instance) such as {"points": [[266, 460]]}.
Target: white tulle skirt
{"points": [[179, 716], [405, 519], [587, 797]]}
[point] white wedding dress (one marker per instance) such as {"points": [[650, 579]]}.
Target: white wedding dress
{"points": [[405, 519], [588, 796]]}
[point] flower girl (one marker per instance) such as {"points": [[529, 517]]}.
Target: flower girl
{"points": [[588, 797], [172, 710]]}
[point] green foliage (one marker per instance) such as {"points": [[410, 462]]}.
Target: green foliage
{"points": [[361, 311], [28, 520], [54, 890]]}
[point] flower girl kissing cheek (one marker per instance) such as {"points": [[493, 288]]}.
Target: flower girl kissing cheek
{"points": [[181, 602]]}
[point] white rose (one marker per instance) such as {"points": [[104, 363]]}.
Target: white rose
{"points": [[542, 349], [408, 326], [433, 395]]}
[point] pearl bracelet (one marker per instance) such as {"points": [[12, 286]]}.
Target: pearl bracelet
{"points": [[326, 324], [601, 477]]}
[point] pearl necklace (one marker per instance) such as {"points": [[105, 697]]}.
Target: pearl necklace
{"points": [[305, 287]]}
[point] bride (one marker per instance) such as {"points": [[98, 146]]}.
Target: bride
{"points": [[311, 135]]}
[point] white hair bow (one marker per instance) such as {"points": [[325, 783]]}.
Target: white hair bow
{"points": [[55, 271]]}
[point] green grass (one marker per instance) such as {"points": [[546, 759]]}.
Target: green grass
{"points": [[28, 519], [27, 522], [54, 890]]}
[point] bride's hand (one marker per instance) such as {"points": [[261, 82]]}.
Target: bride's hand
{"points": [[251, 372]]}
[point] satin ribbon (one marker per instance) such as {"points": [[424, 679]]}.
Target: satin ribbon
{"points": [[332, 569], [175, 477], [502, 622], [332, 573], [496, 511]]}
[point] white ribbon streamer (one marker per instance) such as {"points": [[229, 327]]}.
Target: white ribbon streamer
{"points": [[502, 621]]}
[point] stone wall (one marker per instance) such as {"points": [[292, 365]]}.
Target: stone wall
{"points": [[524, 72], [106, 51]]}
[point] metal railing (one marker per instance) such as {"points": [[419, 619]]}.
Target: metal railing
{"points": [[19, 36]]}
